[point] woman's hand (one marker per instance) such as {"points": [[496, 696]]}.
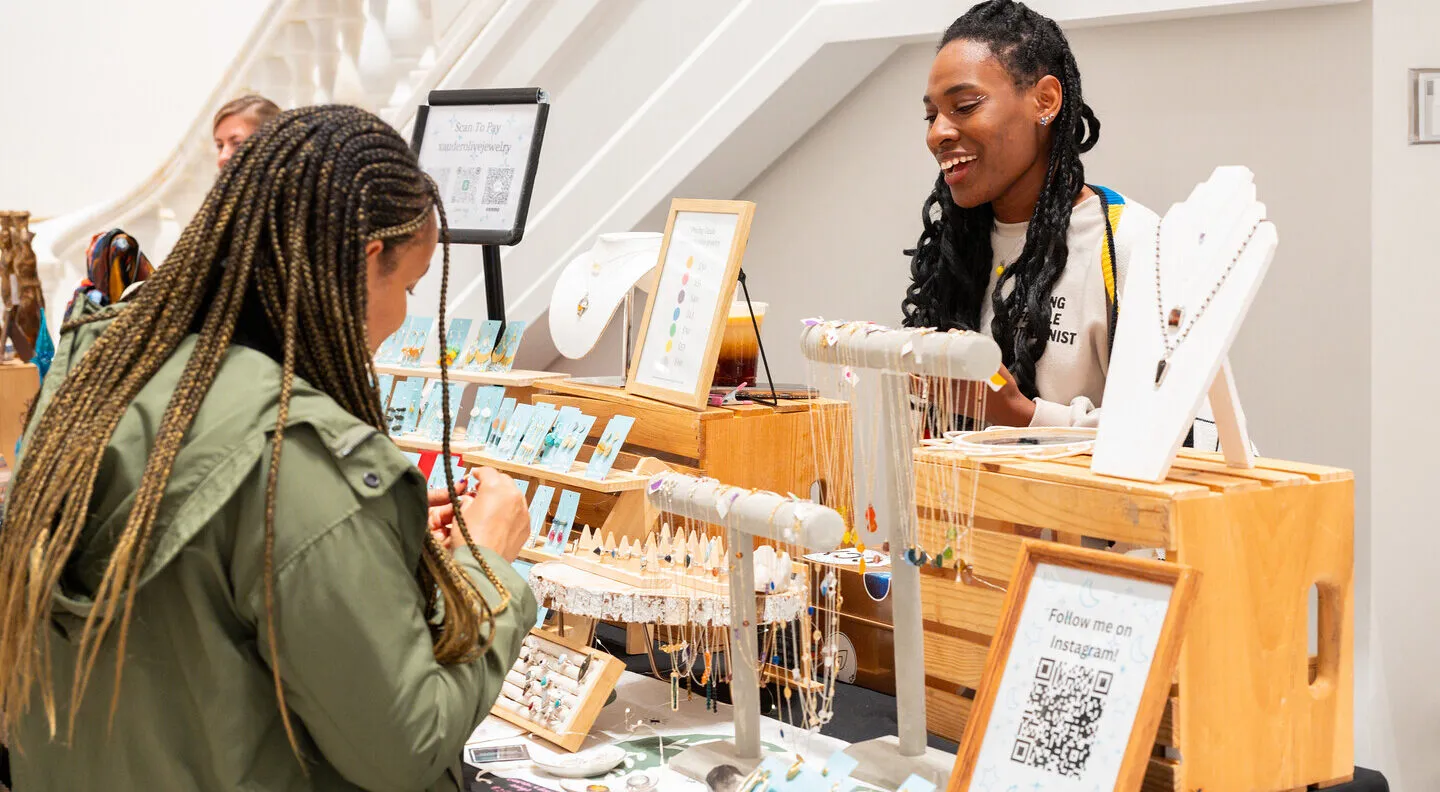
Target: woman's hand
{"points": [[1008, 406], [442, 509], [495, 514]]}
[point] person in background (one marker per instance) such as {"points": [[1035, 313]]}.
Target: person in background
{"points": [[1016, 244], [238, 120], [218, 572]]}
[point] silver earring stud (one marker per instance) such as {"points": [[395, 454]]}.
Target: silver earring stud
{"points": [[1045, 121]]}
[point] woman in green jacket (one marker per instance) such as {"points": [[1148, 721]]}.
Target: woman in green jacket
{"points": [[216, 571]]}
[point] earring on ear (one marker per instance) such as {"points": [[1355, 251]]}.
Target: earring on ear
{"points": [[1045, 121]]}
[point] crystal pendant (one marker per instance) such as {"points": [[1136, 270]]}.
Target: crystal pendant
{"points": [[583, 305], [1160, 369], [1172, 323], [870, 523]]}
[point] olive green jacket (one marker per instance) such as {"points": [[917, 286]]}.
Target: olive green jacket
{"points": [[197, 707]]}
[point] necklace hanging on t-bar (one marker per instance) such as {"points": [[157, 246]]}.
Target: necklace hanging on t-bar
{"points": [[1171, 330]]}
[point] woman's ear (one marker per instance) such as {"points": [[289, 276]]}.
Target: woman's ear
{"points": [[373, 249], [1048, 96]]}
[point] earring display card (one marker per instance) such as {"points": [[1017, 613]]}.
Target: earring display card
{"points": [[608, 447], [515, 428], [384, 383], [437, 474], [569, 442], [563, 522], [498, 425], [413, 344], [551, 443], [414, 458], [540, 508], [477, 357], [523, 486], [433, 425], [483, 413], [389, 353], [404, 405], [456, 331], [533, 441], [503, 358]]}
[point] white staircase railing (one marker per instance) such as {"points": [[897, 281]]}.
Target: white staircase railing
{"points": [[383, 55]]}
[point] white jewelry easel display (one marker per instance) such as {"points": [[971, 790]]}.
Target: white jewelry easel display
{"points": [[1181, 309], [896, 355], [594, 285], [745, 514]]}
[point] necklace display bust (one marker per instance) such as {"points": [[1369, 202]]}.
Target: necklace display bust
{"points": [[594, 284]]}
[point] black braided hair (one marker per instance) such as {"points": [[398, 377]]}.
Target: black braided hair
{"points": [[950, 265]]}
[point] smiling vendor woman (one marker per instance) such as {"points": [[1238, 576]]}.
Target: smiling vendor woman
{"points": [[1015, 243]]}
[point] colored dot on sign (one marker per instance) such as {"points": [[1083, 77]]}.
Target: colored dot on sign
{"points": [[682, 296], [686, 279], [669, 344], [677, 315], [672, 331], [689, 262]]}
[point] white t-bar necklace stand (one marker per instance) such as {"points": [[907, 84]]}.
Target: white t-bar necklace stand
{"points": [[1220, 226], [742, 512], [897, 354]]}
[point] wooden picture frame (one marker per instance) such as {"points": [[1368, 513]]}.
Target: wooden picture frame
{"points": [[677, 364], [1137, 584]]}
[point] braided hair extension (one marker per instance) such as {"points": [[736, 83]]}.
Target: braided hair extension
{"points": [[285, 228], [950, 265]]}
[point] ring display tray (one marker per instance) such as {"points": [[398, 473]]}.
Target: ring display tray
{"points": [[579, 688]]}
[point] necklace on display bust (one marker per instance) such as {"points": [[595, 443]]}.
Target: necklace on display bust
{"points": [[1171, 331]]}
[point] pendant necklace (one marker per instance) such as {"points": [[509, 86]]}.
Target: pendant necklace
{"points": [[584, 304], [1171, 331]]}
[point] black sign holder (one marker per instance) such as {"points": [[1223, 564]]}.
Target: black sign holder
{"points": [[492, 239]]}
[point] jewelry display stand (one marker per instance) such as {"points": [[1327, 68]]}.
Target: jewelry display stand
{"points": [[896, 354], [1183, 307], [556, 688], [594, 285], [744, 515]]}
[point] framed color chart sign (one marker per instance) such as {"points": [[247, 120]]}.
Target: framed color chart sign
{"points": [[685, 316], [1077, 676]]}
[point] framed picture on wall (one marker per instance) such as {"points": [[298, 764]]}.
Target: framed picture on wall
{"points": [[685, 315], [1077, 677]]}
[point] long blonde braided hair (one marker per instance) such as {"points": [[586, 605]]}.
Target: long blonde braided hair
{"points": [[289, 218]]}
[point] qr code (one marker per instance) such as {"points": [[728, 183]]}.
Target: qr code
{"points": [[467, 186], [1057, 729], [497, 186]]}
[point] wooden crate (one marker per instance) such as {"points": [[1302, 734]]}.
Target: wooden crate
{"points": [[1251, 709], [743, 445], [19, 382]]}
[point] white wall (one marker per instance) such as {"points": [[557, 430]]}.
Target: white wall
{"points": [[98, 92], [1406, 268]]}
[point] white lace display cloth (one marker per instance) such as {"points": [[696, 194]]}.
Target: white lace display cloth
{"points": [[580, 593]]}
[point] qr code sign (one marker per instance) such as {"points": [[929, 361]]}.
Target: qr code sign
{"points": [[1058, 726], [497, 186], [467, 186]]}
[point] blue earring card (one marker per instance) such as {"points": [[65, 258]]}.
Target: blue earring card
{"points": [[566, 417], [413, 457], [533, 441], [456, 331], [483, 413], [564, 521], [515, 429], [404, 405], [610, 440], [437, 474], [477, 357], [389, 353], [429, 405], [498, 425], [383, 384], [523, 486], [540, 507], [412, 346], [575, 434], [434, 427], [503, 358]]}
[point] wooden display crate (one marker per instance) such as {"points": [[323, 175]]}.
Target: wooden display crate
{"points": [[19, 382], [744, 445], [1251, 709]]}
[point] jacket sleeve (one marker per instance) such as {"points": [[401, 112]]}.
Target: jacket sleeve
{"points": [[356, 655]]}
